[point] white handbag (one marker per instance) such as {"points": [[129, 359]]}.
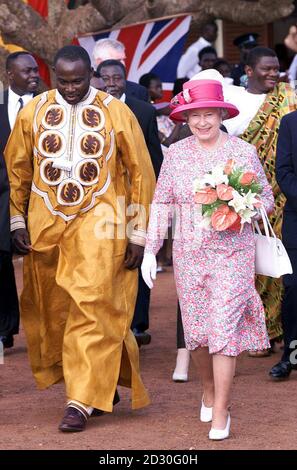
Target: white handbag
{"points": [[271, 256]]}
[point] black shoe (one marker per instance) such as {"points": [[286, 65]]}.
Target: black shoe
{"points": [[281, 370], [142, 337], [7, 341], [73, 420], [97, 412]]}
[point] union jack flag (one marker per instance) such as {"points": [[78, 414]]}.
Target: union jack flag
{"points": [[150, 47]]}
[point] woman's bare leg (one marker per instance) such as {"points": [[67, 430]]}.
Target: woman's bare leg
{"points": [[203, 362], [223, 372]]}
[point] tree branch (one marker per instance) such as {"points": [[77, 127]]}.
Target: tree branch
{"points": [[56, 10], [115, 10], [242, 11], [84, 19], [41, 37], [15, 12], [21, 25]]}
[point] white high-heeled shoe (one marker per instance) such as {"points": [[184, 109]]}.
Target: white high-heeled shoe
{"points": [[205, 413], [179, 377], [220, 434], [182, 364]]}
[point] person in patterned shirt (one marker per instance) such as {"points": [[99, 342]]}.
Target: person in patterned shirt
{"points": [[262, 105]]}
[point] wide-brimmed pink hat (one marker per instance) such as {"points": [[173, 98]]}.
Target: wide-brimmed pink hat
{"points": [[200, 94]]}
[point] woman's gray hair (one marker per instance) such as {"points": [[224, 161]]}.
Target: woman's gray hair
{"points": [[224, 114]]}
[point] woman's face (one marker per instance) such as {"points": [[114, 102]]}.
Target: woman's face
{"points": [[205, 123]]}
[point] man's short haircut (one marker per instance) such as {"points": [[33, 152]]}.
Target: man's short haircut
{"points": [[257, 53], [107, 43], [220, 62], [111, 63], [13, 56], [72, 54], [206, 50], [145, 80], [213, 24]]}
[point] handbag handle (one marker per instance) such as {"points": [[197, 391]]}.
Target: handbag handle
{"points": [[266, 223]]}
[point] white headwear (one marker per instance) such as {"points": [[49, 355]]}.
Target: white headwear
{"points": [[209, 74], [232, 93]]}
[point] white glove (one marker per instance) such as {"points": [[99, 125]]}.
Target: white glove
{"points": [[149, 269]]}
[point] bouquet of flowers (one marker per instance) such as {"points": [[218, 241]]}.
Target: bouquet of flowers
{"points": [[229, 196]]}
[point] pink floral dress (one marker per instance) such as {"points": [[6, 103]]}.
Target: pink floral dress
{"points": [[214, 271]]}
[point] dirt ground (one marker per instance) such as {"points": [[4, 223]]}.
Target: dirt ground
{"points": [[263, 412]]}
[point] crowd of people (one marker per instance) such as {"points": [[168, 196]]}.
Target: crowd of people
{"points": [[78, 167]]}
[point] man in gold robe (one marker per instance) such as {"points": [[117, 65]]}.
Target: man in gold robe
{"points": [[76, 160]]}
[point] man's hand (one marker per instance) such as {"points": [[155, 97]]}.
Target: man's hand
{"points": [[21, 241], [134, 255]]}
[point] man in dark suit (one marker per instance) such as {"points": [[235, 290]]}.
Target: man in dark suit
{"points": [[134, 90], [23, 77], [113, 74], [286, 175], [9, 308], [108, 49]]}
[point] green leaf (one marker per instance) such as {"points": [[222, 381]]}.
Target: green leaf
{"points": [[208, 209]]}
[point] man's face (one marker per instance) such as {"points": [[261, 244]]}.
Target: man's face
{"points": [[23, 74], [265, 74], [73, 79], [224, 70], [208, 61], [111, 54], [114, 79], [210, 33], [155, 89]]}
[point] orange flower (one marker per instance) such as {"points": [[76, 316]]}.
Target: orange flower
{"points": [[224, 192], [248, 178], [237, 225], [229, 166], [222, 218], [206, 196]]}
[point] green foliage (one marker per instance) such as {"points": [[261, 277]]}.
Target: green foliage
{"points": [[208, 209], [234, 181]]}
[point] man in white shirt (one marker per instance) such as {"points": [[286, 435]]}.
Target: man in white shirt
{"points": [[188, 65], [23, 77]]}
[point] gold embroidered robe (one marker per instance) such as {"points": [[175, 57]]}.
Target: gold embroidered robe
{"points": [[73, 171]]}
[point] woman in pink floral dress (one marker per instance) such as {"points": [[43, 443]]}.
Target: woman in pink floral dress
{"points": [[214, 270]]}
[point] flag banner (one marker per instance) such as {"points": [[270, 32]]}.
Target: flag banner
{"points": [[154, 47]]}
